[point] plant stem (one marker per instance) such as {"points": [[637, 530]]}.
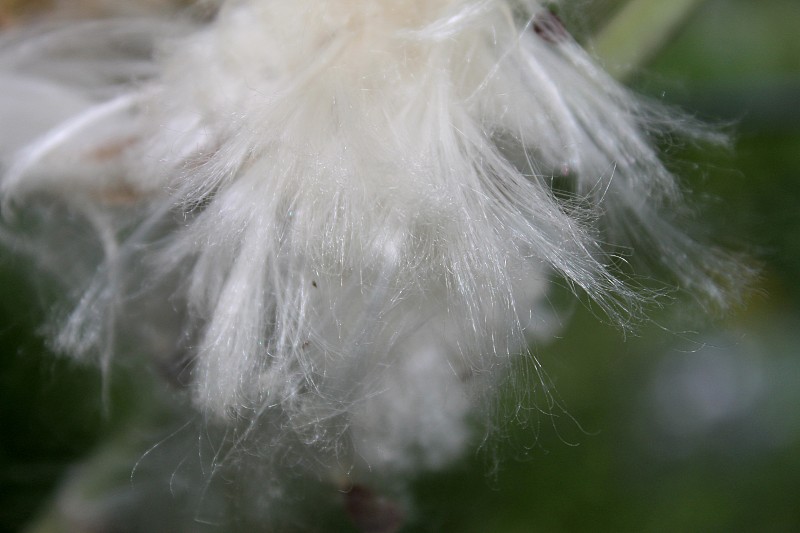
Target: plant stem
{"points": [[636, 33]]}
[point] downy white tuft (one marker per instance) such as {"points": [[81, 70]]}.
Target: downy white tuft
{"points": [[336, 220]]}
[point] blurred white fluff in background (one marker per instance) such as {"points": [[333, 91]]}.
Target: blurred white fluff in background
{"points": [[334, 221]]}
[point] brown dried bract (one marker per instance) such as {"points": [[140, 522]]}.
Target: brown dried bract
{"points": [[14, 12], [371, 512], [549, 27], [18, 12]]}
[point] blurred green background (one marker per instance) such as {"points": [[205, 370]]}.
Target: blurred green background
{"points": [[692, 424]]}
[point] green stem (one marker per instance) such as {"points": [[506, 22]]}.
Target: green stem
{"points": [[636, 33]]}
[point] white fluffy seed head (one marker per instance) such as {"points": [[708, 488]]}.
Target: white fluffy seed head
{"points": [[347, 206]]}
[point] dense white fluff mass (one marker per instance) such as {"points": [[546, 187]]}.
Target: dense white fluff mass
{"points": [[334, 220]]}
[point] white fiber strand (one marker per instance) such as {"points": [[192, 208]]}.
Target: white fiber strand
{"points": [[341, 215]]}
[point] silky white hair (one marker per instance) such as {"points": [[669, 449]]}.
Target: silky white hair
{"points": [[337, 221]]}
